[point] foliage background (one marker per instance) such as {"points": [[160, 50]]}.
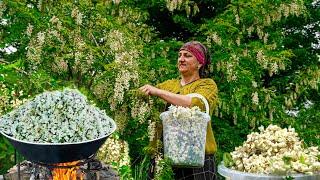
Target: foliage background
{"points": [[265, 61]]}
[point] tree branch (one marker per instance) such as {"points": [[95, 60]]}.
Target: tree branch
{"points": [[3, 61], [94, 39]]}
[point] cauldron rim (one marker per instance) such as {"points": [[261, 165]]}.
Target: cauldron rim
{"points": [[114, 127]]}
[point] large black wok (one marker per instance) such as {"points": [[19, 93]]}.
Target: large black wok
{"points": [[51, 153]]}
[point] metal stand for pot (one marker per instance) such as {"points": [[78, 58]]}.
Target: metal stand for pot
{"points": [[15, 162], [92, 165]]}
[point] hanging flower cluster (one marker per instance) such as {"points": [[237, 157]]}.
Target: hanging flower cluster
{"points": [[9, 99], [126, 65], [275, 151], [115, 152], [190, 7], [2, 9], [57, 117]]}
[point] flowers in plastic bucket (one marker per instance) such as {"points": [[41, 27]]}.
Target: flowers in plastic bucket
{"points": [[184, 135]]}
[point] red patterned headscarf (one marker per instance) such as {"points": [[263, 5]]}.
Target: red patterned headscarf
{"points": [[196, 49]]}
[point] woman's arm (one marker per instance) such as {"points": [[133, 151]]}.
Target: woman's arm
{"points": [[172, 98]]}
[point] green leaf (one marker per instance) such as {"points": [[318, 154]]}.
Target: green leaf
{"points": [[302, 159], [227, 160], [287, 160]]}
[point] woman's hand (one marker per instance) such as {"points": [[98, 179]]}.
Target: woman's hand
{"points": [[171, 98], [149, 90]]}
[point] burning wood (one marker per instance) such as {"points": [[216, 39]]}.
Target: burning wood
{"points": [[92, 170], [70, 173]]}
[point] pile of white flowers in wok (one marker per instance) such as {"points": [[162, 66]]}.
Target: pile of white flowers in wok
{"points": [[57, 117], [184, 133], [275, 151]]}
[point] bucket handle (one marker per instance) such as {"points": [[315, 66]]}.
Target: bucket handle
{"points": [[202, 98]]}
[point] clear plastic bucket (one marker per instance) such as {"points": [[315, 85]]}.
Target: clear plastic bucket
{"points": [[184, 139]]}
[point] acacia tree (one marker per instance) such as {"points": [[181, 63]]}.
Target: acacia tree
{"points": [[94, 46], [264, 66], [261, 75], [265, 61]]}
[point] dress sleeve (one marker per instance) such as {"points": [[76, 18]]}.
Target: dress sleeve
{"points": [[165, 85], [209, 90]]}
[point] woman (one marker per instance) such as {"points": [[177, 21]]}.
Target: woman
{"points": [[193, 64]]}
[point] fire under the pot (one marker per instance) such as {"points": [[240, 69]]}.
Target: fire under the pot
{"points": [[90, 169]]}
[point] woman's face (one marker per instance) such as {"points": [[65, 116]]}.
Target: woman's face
{"points": [[187, 63]]}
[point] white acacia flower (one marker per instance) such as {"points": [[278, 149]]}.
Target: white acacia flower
{"points": [[56, 117], [184, 135], [275, 151], [29, 30], [255, 98], [41, 37]]}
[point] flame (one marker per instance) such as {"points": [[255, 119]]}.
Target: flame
{"points": [[66, 173]]}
